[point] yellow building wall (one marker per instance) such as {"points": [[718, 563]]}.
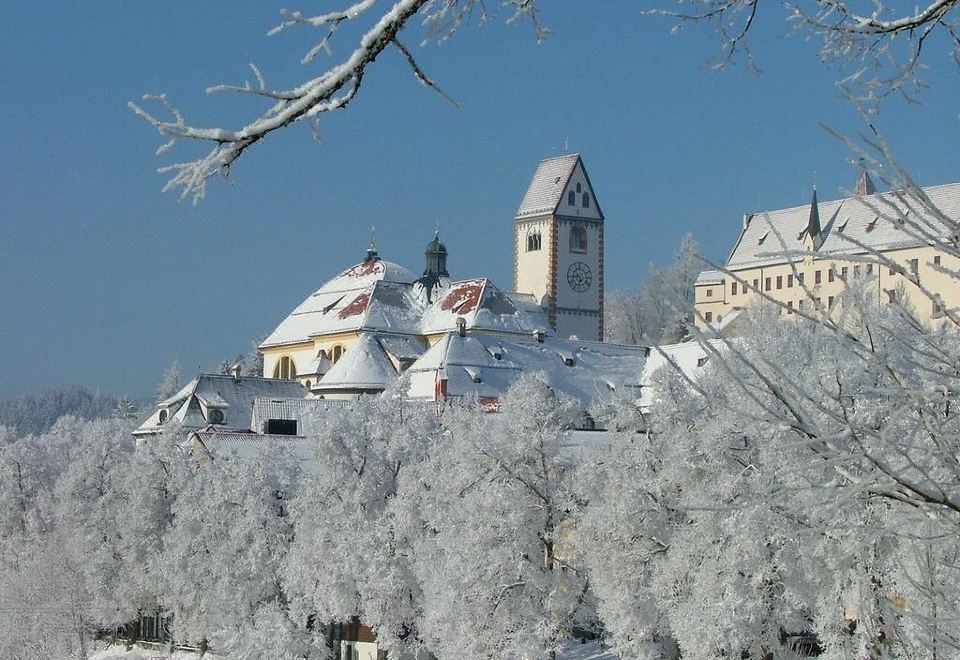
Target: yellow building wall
{"points": [[303, 353], [781, 282]]}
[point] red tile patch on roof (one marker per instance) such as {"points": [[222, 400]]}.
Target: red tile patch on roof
{"points": [[463, 297], [368, 267], [358, 305]]}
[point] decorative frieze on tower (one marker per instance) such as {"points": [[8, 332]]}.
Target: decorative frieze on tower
{"points": [[558, 247]]}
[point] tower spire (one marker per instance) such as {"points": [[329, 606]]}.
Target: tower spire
{"points": [[372, 254], [813, 221], [864, 183]]}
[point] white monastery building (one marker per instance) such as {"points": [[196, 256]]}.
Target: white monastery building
{"points": [[451, 338]]}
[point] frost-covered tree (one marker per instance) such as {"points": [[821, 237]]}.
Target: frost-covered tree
{"points": [[660, 311], [878, 47], [806, 483], [171, 382], [351, 556], [37, 413], [221, 556], [498, 506]]}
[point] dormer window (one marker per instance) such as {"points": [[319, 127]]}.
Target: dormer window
{"points": [[534, 241], [871, 225], [842, 227], [571, 198], [162, 417], [578, 238], [215, 416], [586, 200], [763, 238]]}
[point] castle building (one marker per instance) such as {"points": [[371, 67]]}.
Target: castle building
{"points": [[558, 248], [805, 257]]}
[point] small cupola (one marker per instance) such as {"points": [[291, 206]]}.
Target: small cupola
{"points": [[435, 277], [436, 254]]}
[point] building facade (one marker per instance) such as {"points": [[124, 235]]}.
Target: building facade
{"points": [[806, 257], [558, 248]]}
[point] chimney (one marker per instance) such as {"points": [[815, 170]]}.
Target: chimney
{"points": [[539, 335], [461, 326], [237, 371]]}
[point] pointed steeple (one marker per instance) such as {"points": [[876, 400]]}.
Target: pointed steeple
{"points": [[864, 184], [813, 222], [372, 254]]}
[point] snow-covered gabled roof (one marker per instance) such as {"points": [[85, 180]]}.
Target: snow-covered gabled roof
{"points": [[483, 306], [709, 277], [234, 397], [759, 243], [587, 371], [363, 367], [206, 445], [377, 292], [547, 186], [690, 357]]}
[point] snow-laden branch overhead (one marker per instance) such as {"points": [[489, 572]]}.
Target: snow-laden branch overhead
{"points": [[333, 89]]}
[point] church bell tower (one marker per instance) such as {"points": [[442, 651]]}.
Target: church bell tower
{"points": [[558, 247]]}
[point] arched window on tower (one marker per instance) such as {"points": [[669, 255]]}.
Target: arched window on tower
{"points": [[571, 198], [578, 238], [586, 200], [534, 241], [337, 353], [285, 368]]}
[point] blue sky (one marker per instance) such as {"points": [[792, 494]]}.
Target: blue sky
{"points": [[105, 280]]}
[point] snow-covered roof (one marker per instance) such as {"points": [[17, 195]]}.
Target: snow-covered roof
{"points": [[546, 188], [375, 294], [709, 277], [842, 219], [245, 445], [483, 306], [233, 397], [485, 366], [364, 367], [691, 357]]}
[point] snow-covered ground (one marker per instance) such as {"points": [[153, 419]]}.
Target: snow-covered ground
{"points": [[573, 651]]}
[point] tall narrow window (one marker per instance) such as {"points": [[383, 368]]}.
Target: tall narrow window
{"points": [[790, 281], [766, 283], [800, 279], [779, 281], [936, 260], [285, 368], [733, 288], [586, 200], [533, 241], [817, 277], [336, 353], [578, 238], [571, 198], [831, 274], [914, 266]]}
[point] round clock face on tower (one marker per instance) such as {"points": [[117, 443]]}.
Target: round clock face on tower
{"points": [[579, 276]]}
